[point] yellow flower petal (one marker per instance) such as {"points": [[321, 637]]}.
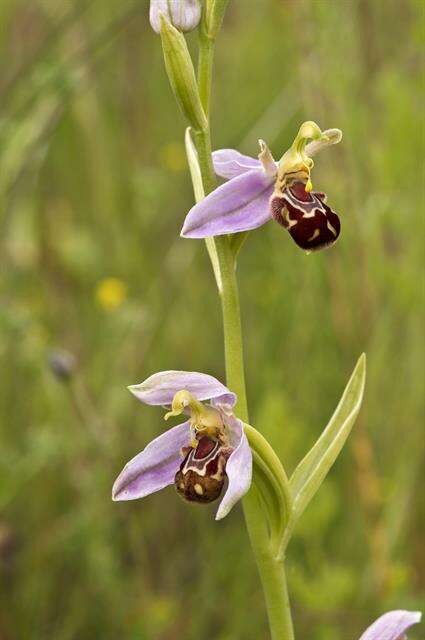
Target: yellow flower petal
{"points": [[111, 293]]}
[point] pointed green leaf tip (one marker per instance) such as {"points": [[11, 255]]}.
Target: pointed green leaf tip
{"points": [[214, 15], [312, 470]]}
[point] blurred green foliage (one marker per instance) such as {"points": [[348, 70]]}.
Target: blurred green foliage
{"points": [[93, 186]]}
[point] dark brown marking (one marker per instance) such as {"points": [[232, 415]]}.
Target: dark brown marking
{"points": [[310, 221], [202, 474]]}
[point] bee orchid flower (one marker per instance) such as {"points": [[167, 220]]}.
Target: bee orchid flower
{"points": [[392, 625], [260, 190], [197, 456]]}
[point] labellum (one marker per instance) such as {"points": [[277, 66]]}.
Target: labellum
{"points": [[310, 221], [202, 473]]}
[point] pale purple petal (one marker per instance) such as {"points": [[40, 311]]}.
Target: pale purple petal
{"points": [[238, 205], [238, 469], [161, 388], [155, 467], [392, 625], [229, 163]]}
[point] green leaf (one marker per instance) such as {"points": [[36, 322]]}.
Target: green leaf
{"points": [[272, 483], [195, 170], [270, 497], [312, 470], [214, 14], [198, 190]]}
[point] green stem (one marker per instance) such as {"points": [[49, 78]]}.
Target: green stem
{"points": [[271, 571], [202, 143], [233, 347], [205, 63]]}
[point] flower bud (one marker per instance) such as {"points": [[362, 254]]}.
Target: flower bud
{"points": [[182, 14], [181, 74], [62, 364]]}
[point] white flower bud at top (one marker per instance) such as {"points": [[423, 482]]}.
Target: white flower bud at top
{"points": [[182, 14]]}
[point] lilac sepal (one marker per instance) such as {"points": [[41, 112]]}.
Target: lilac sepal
{"points": [[238, 468], [153, 468], [229, 163], [160, 388], [183, 14], [392, 625], [238, 205]]}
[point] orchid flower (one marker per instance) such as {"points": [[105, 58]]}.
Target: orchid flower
{"points": [[182, 14], [196, 456], [392, 625], [259, 190]]}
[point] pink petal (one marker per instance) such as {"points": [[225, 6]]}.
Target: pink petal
{"points": [[153, 468], [229, 163], [392, 625], [238, 205], [238, 468], [160, 388]]}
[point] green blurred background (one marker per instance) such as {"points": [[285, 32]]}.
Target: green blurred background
{"points": [[93, 192]]}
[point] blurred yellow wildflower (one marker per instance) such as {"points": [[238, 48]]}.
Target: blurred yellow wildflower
{"points": [[173, 156], [111, 293]]}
